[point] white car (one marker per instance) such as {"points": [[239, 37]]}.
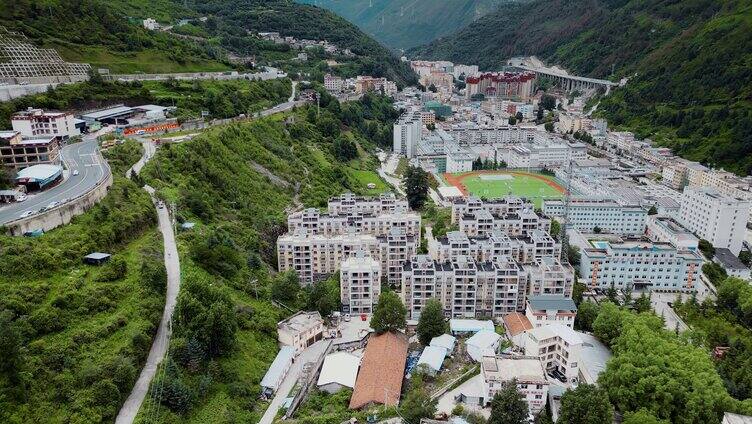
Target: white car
{"points": [[27, 214], [75, 172], [21, 198], [53, 204]]}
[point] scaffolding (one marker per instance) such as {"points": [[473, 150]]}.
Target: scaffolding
{"points": [[19, 59]]}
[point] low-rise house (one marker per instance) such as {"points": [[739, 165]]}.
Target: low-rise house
{"points": [[465, 326], [547, 309], [381, 371], [277, 371], [527, 371], [558, 348], [339, 371], [483, 343], [515, 325], [300, 330], [731, 263], [445, 341], [431, 359]]}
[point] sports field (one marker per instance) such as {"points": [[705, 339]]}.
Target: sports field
{"points": [[489, 184]]}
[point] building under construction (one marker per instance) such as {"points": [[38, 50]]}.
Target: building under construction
{"points": [[22, 62]]}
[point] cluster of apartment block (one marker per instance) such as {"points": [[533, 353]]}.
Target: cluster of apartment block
{"points": [[35, 138], [491, 269], [349, 237]]}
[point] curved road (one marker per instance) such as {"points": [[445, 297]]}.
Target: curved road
{"points": [[83, 157]]}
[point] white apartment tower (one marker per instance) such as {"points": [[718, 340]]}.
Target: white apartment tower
{"points": [[360, 283], [715, 217], [407, 133]]}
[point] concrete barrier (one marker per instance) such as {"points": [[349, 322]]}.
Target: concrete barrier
{"points": [[62, 214]]}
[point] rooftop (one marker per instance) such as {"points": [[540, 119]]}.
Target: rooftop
{"points": [[506, 368], [278, 367], [381, 371], [556, 330], [728, 260], [551, 302], [516, 323], [300, 321], [340, 368]]}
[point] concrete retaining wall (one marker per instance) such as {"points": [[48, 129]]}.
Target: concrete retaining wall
{"points": [[62, 214]]}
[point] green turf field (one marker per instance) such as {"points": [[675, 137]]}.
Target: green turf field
{"points": [[519, 185]]}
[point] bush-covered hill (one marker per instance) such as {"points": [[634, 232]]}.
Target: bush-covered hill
{"points": [[401, 24], [305, 21], [236, 182], [688, 63], [109, 34]]}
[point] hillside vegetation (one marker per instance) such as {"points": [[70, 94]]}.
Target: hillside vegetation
{"points": [[688, 64], [110, 34], [401, 24], [236, 182], [73, 337]]}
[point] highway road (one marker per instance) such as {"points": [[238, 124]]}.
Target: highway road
{"points": [[83, 157]]}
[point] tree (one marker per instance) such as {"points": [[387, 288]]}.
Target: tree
{"points": [[549, 126], [10, 347], [432, 88], [512, 120], [573, 255], [548, 102], [323, 297], [508, 406], [715, 273], [642, 303], [519, 116], [285, 288], [653, 210], [597, 230], [607, 326], [706, 248], [431, 126], [587, 404], [344, 149], [539, 113], [587, 313], [555, 229], [746, 257], [417, 403], [643, 416], [389, 313], [578, 291], [416, 187], [431, 323], [613, 295]]}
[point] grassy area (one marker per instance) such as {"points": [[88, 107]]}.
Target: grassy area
{"points": [[370, 177], [402, 166], [498, 184], [123, 156], [88, 338], [146, 61]]}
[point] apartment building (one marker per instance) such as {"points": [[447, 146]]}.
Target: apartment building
{"points": [[642, 263], [17, 152], [546, 309], [545, 153], [395, 249], [518, 85], [300, 330], [665, 229], [465, 287], [407, 133], [715, 217], [493, 134], [526, 370], [349, 203], [522, 223], [548, 276], [315, 222], [360, 283], [333, 83], [608, 215], [314, 257], [557, 347], [36, 123], [498, 206], [523, 249]]}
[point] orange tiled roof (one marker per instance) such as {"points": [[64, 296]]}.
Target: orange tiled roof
{"points": [[516, 323], [381, 371]]}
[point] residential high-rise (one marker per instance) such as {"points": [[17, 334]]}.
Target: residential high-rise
{"points": [[360, 283], [407, 133], [607, 215], [715, 217]]}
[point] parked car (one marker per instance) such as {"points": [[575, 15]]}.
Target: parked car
{"points": [[53, 204], [347, 317], [27, 214], [43, 209], [75, 172], [21, 198]]}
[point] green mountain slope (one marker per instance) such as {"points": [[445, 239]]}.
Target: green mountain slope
{"points": [[109, 34], [689, 64], [401, 24]]}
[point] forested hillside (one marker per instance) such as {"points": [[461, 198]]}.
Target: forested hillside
{"points": [[688, 64], [109, 34], [236, 183], [401, 24]]}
